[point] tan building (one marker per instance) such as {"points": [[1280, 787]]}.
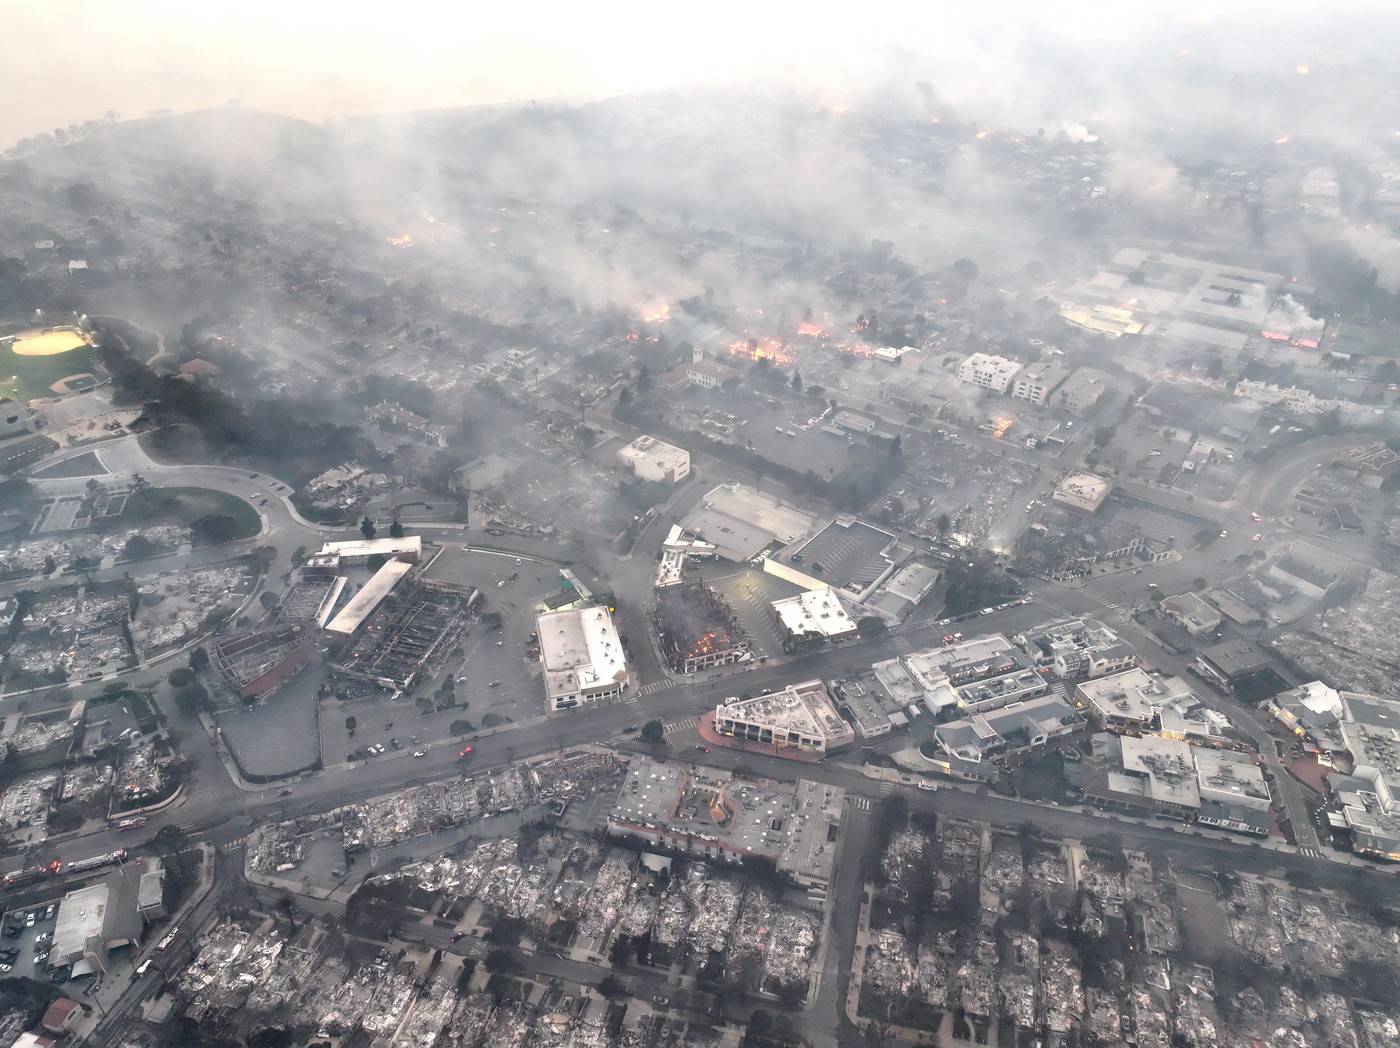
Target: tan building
{"points": [[1083, 491], [801, 716]]}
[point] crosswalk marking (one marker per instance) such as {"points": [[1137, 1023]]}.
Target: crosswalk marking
{"points": [[653, 687], [886, 786], [902, 645], [1311, 853], [682, 725]]}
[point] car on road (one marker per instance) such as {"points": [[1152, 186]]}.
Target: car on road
{"points": [[495, 531], [702, 747], [986, 611], [396, 744], [948, 638], [420, 753], [1256, 538], [1224, 534], [494, 684], [29, 921], [285, 793], [466, 751], [1255, 517], [924, 784]]}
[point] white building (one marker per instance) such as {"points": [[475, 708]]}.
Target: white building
{"points": [[988, 372], [93, 921], [1296, 399], [582, 657], [1230, 778], [363, 604], [1128, 700], [1083, 491], [655, 460], [1037, 381], [814, 613], [357, 551], [801, 716]]}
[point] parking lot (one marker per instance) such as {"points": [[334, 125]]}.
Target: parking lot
{"points": [[487, 654], [750, 592], [24, 938]]}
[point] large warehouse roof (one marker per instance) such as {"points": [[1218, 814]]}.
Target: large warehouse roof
{"points": [[408, 546], [371, 595]]}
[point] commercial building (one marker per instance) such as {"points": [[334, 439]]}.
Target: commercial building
{"points": [[848, 554], [1077, 648], [1079, 393], [1128, 701], [1202, 301], [1014, 727], [1192, 614], [743, 523], [1296, 399], [1230, 662], [409, 630], [988, 372], [94, 921], [861, 703], [1312, 713], [1037, 381], [801, 716], [1109, 321], [813, 616], [1230, 779], [1083, 491], [582, 657], [371, 595], [975, 675], [677, 551], [655, 460], [256, 663], [709, 814], [1311, 571], [1142, 773], [1367, 802], [697, 628], [150, 891], [408, 548], [903, 591]]}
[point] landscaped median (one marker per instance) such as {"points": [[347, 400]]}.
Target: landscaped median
{"points": [[212, 516]]}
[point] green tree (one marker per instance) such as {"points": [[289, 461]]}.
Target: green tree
{"points": [[461, 727], [213, 529], [367, 528], [139, 547], [199, 660], [180, 678], [612, 987], [871, 626], [190, 699], [653, 731], [396, 530], [500, 960], [351, 723]]}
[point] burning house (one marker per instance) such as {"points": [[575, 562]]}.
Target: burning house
{"points": [[697, 628]]}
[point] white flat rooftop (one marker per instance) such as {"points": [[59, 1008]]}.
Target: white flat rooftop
{"points": [[580, 649]]}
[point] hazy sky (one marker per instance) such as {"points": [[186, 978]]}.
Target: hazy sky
{"points": [[69, 60]]}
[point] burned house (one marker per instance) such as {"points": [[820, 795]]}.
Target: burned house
{"points": [[697, 628]]}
